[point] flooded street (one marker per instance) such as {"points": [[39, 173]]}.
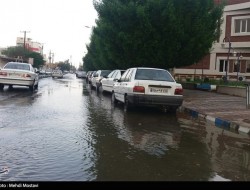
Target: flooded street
{"points": [[67, 132]]}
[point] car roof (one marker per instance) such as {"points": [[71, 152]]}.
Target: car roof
{"points": [[18, 63], [147, 68]]}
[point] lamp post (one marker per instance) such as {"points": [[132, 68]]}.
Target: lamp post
{"points": [[227, 39], [239, 57]]}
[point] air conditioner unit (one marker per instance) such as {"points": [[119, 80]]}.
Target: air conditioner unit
{"points": [[241, 78]]}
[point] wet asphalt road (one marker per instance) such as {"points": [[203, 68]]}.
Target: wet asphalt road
{"points": [[67, 132]]}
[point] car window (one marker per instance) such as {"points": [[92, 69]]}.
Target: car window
{"points": [[153, 74], [128, 76], [118, 74], [17, 66], [115, 74], [124, 75], [111, 74]]}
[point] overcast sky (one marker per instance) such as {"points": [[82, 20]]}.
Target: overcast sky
{"points": [[58, 24]]}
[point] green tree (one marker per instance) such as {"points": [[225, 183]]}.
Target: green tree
{"points": [[38, 59], [153, 33], [19, 51], [64, 66], [15, 51]]}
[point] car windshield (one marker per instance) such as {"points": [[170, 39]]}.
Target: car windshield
{"points": [[153, 74], [17, 66]]}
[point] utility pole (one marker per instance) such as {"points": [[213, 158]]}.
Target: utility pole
{"points": [[50, 57], [71, 63], [24, 39]]}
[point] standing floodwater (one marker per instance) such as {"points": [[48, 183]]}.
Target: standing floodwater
{"points": [[67, 132]]}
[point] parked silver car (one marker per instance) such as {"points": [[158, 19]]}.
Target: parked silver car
{"points": [[57, 73], [21, 74], [80, 74]]}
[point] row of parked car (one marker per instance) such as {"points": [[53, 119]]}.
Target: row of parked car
{"points": [[140, 86]]}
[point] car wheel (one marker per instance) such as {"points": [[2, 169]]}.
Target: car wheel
{"points": [[99, 88], [1, 86], [113, 99], [127, 105], [32, 87], [36, 86], [10, 87]]}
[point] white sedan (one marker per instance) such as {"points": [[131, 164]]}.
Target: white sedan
{"points": [[143, 86], [21, 74], [108, 82], [57, 73]]}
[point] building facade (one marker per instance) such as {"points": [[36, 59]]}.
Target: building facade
{"points": [[230, 55], [30, 45]]}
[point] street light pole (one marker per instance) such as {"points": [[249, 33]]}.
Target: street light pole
{"points": [[228, 54], [239, 57]]}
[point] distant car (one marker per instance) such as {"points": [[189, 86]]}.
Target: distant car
{"points": [[80, 74], [108, 82], [57, 74], [21, 74], [147, 87]]}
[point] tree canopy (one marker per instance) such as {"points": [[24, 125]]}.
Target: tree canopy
{"points": [[19, 51], [152, 33]]}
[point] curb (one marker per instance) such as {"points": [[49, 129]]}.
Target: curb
{"points": [[218, 122]]}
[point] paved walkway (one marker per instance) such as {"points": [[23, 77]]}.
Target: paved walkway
{"points": [[224, 110]]}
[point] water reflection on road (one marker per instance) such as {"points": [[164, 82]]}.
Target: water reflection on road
{"points": [[67, 132]]}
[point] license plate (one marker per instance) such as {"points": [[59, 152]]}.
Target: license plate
{"points": [[14, 75], [158, 90]]}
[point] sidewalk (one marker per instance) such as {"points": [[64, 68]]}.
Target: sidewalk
{"points": [[222, 110]]}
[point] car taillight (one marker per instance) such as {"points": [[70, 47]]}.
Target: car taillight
{"points": [[178, 91], [3, 73], [140, 89]]}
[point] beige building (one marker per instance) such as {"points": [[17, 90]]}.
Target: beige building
{"points": [[30, 45], [230, 56]]}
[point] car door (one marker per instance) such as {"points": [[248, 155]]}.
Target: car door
{"points": [[106, 81], [111, 81], [118, 87], [125, 86]]}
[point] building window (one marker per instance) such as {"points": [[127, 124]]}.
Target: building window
{"points": [[248, 67], [241, 25], [223, 65]]}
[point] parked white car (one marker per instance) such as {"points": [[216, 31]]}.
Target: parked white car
{"points": [[20, 74], [57, 73], [80, 74], [108, 82], [147, 87], [97, 77]]}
